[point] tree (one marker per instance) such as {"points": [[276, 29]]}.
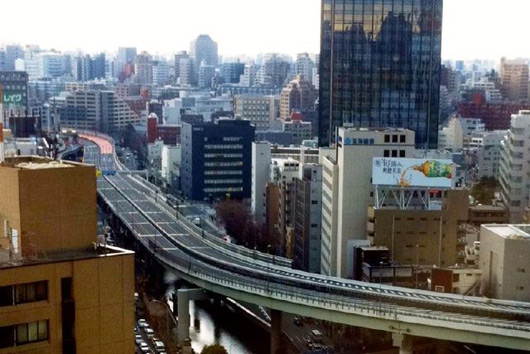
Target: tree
{"points": [[214, 349], [235, 218], [484, 191]]}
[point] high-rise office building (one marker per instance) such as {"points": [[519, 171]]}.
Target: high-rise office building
{"points": [[180, 55], [160, 72], [232, 71], [380, 66], [144, 69], [203, 48], [217, 159], [206, 74], [13, 52], [125, 61]]}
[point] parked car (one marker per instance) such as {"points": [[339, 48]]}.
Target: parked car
{"points": [[298, 321], [150, 333], [138, 339]]}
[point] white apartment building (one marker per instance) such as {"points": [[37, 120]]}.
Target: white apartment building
{"points": [[171, 160], [262, 154], [489, 153], [305, 66], [284, 172], [458, 131], [347, 189], [504, 251], [249, 76], [514, 169], [261, 159]]}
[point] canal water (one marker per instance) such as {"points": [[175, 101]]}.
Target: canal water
{"points": [[216, 322]]}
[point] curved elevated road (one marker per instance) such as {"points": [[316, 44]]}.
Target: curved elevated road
{"points": [[245, 275]]}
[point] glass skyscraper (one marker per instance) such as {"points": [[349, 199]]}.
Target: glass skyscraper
{"points": [[380, 66]]}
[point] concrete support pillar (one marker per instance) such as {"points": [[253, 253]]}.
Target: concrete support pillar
{"points": [[404, 342], [183, 311], [183, 324], [276, 331], [411, 344]]}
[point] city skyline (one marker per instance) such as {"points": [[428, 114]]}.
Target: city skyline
{"points": [[467, 34]]}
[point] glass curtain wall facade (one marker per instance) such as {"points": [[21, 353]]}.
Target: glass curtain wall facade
{"points": [[380, 66]]}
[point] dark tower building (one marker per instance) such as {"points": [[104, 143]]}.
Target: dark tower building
{"points": [[216, 159], [380, 66]]}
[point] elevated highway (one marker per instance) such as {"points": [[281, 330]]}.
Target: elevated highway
{"points": [[210, 263]]}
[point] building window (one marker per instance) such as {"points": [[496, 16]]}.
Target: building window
{"points": [[394, 138], [520, 270], [386, 153], [31, 332], [387, 138], [401, 153], [394, 153], [402, 138], [314, 202], [23, 293], [519, 288]]}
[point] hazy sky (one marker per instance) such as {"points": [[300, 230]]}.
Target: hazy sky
{"points": [[485, 29]]}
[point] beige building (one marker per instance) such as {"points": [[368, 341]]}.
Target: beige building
{"points": [[514, 80], [504, 251], [420, 236], [347, 189], [60, 292], [487, 214], [261, 110]]}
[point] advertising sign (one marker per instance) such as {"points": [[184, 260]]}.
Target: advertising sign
{"points": [[405, 172], [17, 98]]}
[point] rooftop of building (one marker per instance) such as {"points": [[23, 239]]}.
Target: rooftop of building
{"points": [[37, 163], [358, 129], [481, 207], [510, 231], [98, 251]]}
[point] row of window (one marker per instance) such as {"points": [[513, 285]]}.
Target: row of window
{"points": [[23, 293], [222, 181], [228, 172], [24, 333], [223, 164], [223, 146], [223, 189], [402, 138], [226, 156], [394, 153]]}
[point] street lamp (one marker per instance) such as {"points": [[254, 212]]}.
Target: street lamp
{"points": [[417, 246]]}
